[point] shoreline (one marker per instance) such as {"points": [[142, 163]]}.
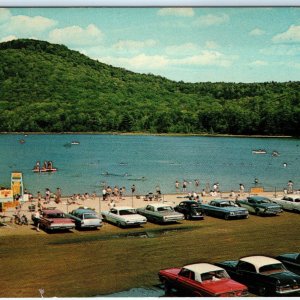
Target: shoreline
{"points": [[152, 134]]}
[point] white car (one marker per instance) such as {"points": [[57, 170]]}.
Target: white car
{"points": [[123, 216], [160, 213], [289, 202]]}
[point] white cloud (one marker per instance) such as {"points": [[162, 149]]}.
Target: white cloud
{"points": [[258, 63], [4, 15], [291, 35], [211, 20], [281, 50], [179, 12], [141, 61], [257, 32], [76, 35], [133, 45], [24, 25], [183, 49], [211, 45], [206, 58], [8, 38]]}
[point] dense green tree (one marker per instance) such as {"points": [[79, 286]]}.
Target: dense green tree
{"points": [[47, 87]]}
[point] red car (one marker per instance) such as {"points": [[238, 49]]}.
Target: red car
{"points": [[201, 280], [54, 219]]}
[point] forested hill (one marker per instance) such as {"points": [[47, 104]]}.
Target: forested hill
{"points": [[49, 88]]}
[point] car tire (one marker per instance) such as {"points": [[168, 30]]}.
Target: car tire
{"points": [[257, 212], [226, 217], [167, 287], [262, 291], [188, 217]]}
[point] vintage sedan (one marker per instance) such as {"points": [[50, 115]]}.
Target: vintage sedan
{"points": [[226, 209], [190, 209], [263, 275], [85, 218], [54, 219], [160, 213], [260, 205], [291, 261], [289, 202], [201, 279], [123, 216]]}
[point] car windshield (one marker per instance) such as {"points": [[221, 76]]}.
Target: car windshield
{"points": [[90, 216], [165, 208], [273, 268], [54, 216], [127, 212], [227, 203], [214, 275], [265, 200]]}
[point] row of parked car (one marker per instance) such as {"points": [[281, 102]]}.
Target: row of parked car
{"points": [[124, 216], [262, 275]]}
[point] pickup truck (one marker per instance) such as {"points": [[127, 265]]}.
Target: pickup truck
{"points": [[54, 219], [263, 275]]}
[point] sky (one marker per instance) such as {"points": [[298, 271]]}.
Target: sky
{"points": [[190, 44]]}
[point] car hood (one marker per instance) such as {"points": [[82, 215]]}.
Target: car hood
{"points": [[286, 277]]}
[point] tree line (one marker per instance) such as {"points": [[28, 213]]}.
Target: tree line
{"points": [[49, 88]]}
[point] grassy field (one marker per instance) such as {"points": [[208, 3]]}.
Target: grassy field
{"points": [[89, 263]]}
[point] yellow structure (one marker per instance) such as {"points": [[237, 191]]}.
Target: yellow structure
{"points": [[7, 195], [17, 184]]}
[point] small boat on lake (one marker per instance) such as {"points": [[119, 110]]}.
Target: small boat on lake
{"points": [[275, 153], [259, 151], [75, 143], [46, 168]]}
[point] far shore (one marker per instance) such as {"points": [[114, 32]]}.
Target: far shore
{"points": [[151, 134]]}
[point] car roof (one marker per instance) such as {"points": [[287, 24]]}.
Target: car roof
{"points": [[297, 196], [203, 268], [158, 204], [189, 201], [52, 211], [260, 261], [258, 198], [222, 200], [123, 207], [84, 210]]}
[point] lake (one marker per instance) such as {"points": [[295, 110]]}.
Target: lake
{"points": [[124, 160]]}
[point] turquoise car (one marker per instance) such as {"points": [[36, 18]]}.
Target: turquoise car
{"points": [[260, 205], [226, 209]]}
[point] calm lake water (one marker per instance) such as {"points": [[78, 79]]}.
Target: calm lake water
{"points": [[160, 159]]}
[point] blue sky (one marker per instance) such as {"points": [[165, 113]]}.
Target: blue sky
{"points": [[192, 44]]}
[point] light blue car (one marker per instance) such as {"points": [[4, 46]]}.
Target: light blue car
{"points": [[226, 209]]}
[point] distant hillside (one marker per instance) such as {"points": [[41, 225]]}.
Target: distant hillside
{"points": [[48, 88]]}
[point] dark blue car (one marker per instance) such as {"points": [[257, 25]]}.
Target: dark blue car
{"points": [[226, 209]]}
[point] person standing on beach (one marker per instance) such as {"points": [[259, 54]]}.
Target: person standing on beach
{"points": [[177, 185], [47, 195], [184, 185], [58, 195], [290, 186], [242, 189], [197, 183], [104, 194], [133, 189]]}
